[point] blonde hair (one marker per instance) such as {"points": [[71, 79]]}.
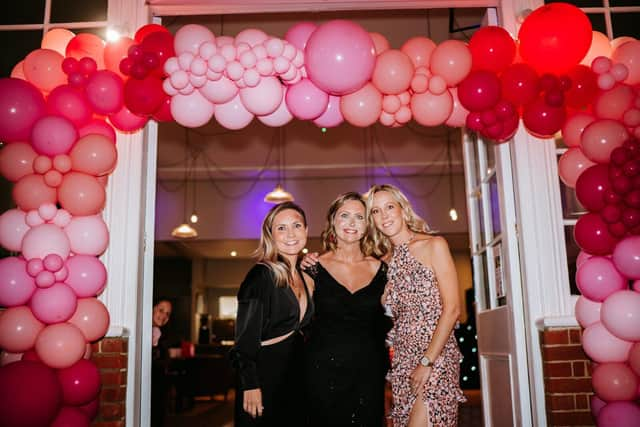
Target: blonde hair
{"points": [[328, 236], [381, 243], [267, 251]]}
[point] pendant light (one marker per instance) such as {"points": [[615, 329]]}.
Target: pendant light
{"points": [[279, 194], [185, 230]]}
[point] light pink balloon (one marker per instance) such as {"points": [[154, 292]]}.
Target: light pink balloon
{"points": [[189, 38], [19, 329], [16, 285], [612, 104], [60, 345], [264, 98], [458, 116], [88, 235], [92, 318], [70, 103], [105, 92], [600, 46], [43, 240], [602, 346], [251, 36], [393, 72], [601, 137], [332, 116], [219, 91], [629, 54], [431, 110], [574, 126], [126, 121], [581, 258], [280, 117], [571, 165], [619, 414], [299, 34], [362, 108], [87, 275], [13, 227], [626, 257], [192, 110], [634, 358], [340, 57], [43, 68], [451, 59], [100, 127], [620, 314], [233, 114], [16, 160], [54, 304], [419, 49], [53, 135], [614, 382], [305, 100], [380, 43], [596, 404], [587, 311], [597, 278]]}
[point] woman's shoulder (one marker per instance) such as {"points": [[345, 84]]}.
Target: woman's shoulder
{"points": [[428, 242], [258, 278]]}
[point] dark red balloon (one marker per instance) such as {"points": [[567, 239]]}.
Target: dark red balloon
{"points": [[632, 198], [91, 409], [631, 217], [617, 229], [474, 121], [621, 184], [620, 156], [519, 84], [611, 213], [479, 91], [592, 235], [80, 382], [611, 197], [70, 416], [591, 186], [631, 168], [163, 113], [160, 43], [584, 87], [30, 394], [492, 49], [543, 120], [144, 97]]}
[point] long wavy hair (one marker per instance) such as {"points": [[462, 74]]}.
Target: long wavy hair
{"points": [[381, 243], [267, 251], [328, 236]]}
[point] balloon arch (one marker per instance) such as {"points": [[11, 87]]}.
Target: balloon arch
{"points": [[60, 110]]}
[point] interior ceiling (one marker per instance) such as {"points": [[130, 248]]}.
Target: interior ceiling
{"points": [[396, 25]]}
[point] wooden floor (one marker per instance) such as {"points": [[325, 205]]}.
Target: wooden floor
{"points": [[216, 412]]}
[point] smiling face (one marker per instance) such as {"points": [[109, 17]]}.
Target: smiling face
{"points": [[349, 221], [161, 313], [387, 214], [289, 233]]}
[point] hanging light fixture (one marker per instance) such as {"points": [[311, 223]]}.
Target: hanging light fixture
{"points": [[279, 194], [453, 213], [185, 230]]}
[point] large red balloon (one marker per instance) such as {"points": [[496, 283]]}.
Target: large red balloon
{"points": [[584, 86], [30, 394], [592, 235], [554, 38], [479, 91], [492, 49], [143, 97], [591, 186], [80, 382]]}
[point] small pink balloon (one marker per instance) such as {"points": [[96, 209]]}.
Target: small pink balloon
{"points": [[53, 178], [43, 240], [45, 279], [53, 262], [16, 285], [19, 329], [280, 116], [47, 211], [52, 135], [587, 311], [87, 275], [574, 126], [332, 116], [54, 304], [60, 345], [61, 275], [42, 164], [88, 235], [626, 257], [597, 278], [35, 266], [581, 258], [604, 347], [92, 318], [620, 314], [13, 227]]}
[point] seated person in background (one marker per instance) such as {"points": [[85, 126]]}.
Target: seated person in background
{"points": [[159, 361]]}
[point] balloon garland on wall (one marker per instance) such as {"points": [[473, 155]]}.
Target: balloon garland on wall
{"points": [[60, 110]]}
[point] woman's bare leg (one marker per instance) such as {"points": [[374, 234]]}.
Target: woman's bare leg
{"points": [[419, 416]]}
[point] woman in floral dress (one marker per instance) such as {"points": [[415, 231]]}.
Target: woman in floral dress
{"points": [[422, 295]]}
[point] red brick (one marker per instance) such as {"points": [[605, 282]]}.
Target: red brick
{"points": [[575, 336], [108, 424], [111, 411], [113, 394], [582, 401], [557, 369], [555, 337], [561, 402], [563, 352], [113, 377], [579, 369], [114, 345], [110, 361], [572, 418], [569, 385]]}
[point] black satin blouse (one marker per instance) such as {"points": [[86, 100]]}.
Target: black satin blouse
{"points": [[265, 311]]}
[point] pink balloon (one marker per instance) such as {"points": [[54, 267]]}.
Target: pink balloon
{"points": [[92, 318], [126, 121], [233, 114], [52, 135], [340, 57], [362, 108], [305, 100], [219, 91], [419, 49], [332, 116], [629, 54], [393, 72], [264, 98], [451, 59], [619, 414], [105, 92], [458, 116], [80, 383], [601, 137], [604, 347], [626, 257], [94, 155], [596, 404], [380, 43], [614, 381], [12, 230], [613, 104], [88, 235], [280, 117], [571, 165], [431, 110], [98, 127], [189, 38], [70, 416], [31, 191], [19, 329], [299, 34], [87, 275], [91, 408], [54, 304], [574, 126], [621, 314], [192, 110], [69, 103], [43, 68], [16, 160], [587, 311], [57, 39], [16, 285], [597, 278], [251, 36], [600, 46], [634, 358], [18, 71], [43, 240], [81, 194], [21, 105], [60, 345]]}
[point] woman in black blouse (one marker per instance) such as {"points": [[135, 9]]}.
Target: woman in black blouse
{"points": [[274, 304]]}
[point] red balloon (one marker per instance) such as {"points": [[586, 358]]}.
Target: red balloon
{"points": [[91, 408], [519, 84], [541, 119], [143, 97], [86, 45], [114, 52], [148, 29], [591, 186], [163, 113], [69, 103], [554, 38], [584, 87], [30, 394], [21, 105], [80, 382], [479, 91], [492, 49], [70, 416], [161, 44], [611, 213], [592, 235]]}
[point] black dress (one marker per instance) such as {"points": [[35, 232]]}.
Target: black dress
{"points": [[266, 311], [346, 359]]}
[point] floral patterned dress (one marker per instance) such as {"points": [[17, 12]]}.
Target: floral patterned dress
{"points": [[415, 305]]}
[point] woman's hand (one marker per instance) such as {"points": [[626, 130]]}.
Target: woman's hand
{"points": [[419, 378], [309, 260], [252, 402]]}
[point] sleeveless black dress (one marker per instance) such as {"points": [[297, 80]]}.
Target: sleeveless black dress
{"points": [[345, 357]]}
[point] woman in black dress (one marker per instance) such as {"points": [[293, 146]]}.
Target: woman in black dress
{"points": [[274, 303], [346, 360]]}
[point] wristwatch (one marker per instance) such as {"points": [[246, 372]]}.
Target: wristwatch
{"points": [[426, 362]]}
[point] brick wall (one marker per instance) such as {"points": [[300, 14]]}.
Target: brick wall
{"points": [[567, 378], [110, 355]]}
